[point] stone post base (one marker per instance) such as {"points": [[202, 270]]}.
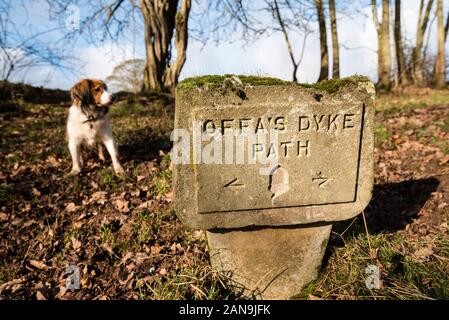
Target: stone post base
{"points": [[269, 263]]}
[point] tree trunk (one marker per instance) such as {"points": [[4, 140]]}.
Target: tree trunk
{"points": [[161, 19], [402, 73], [182, 36], [446, 28], [324, 72], [440, 67], [384, 51], [335, 44], [417, 65]]}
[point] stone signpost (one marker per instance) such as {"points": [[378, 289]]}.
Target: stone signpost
{"points": [[266, 166]]}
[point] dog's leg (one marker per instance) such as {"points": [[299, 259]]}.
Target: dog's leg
{"points": [[100, 151], [112, 149], [77, 161]]}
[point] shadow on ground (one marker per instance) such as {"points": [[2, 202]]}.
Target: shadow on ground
{"points": [[144, 144], [393, 206]]}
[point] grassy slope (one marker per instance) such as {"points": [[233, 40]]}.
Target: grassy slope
{"points": [[407, 235], [128, 243]]}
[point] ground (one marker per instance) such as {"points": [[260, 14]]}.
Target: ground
{"points": [[124, 236]]}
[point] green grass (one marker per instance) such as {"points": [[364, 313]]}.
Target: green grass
{"points": [[6, 192], [108, 176], [192, 282], [381, 134], [440, 97], [445, 125], [161, 183], [403, 275], [391, 105], [107, 235]]}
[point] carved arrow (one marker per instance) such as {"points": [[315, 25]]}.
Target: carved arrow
{"points": [[321, 180], [234, 183]]}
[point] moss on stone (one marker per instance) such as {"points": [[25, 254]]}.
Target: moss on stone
{"points": [[213, 81], [334, 85]]}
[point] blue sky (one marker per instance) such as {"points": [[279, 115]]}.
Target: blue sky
{"points": [[267, 56]]}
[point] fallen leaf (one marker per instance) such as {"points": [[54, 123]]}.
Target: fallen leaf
{"points": [[52, 161], [135, 193], [94, 185], [36, 192], [442, 205], [198, 234], [148, 279], [39, 264], [373, 253], [169, 197], [82, 216], [155, 249], [128, 282], [444, 160], [3, 216], [71, 207], [145, 204], [78, 224], [76, 244], [99, 197], [423, 254], [108, 248], [127, 256], [26, 208], [11, 283], [29, 223], [122, 205], [40, 296]]}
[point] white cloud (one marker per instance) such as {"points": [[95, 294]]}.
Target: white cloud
{"points": [[101, 60], [96, 62]]}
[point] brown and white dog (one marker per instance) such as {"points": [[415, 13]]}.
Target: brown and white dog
{"points": [[88, 123]]}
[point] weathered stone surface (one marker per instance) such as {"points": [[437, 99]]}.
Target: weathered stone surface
{"points": [[320, 137], [269, 263]]}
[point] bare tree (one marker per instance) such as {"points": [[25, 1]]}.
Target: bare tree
{"points": [[165, 28], [324, 62], [402, 73], [446, 28], [22, 49], [417, 63], [127, 76], [295, 62], [162, 18], [440, 67], [250, 19], [384, 50], [335, 42]]}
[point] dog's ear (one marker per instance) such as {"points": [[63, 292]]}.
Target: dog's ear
{"points": [[81, 94]]}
